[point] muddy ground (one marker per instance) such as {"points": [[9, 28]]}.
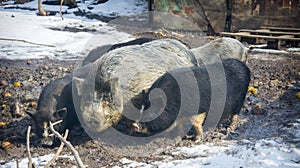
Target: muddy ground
{"points": [[268, 113]]}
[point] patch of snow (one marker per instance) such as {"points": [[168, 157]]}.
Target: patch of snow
{"points": [[257, 49], [261, 153], [293, 49], [48, 37], [120, 7], [257, 46], [111, 8], [40, 161], [269, 51]]}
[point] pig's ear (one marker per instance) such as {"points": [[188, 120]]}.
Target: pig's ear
{"points": [[31, 113], [114, 84], [77, 83], [116, 93], [61, 113]]}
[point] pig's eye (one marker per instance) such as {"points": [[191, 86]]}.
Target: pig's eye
{"points": [[106, 97]]}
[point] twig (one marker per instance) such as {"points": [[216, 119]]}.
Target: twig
{"points": [[58, 151], [68, 144], [42, 12], [25, 41], [17, 162], [30, 163], [57, 122], [60, 13], [28, 147]]}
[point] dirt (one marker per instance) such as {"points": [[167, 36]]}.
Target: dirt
{"points": [[268, 113]]}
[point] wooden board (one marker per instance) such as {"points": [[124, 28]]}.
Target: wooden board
{"points": [[248, 35], [267, 31], [281, 29]]}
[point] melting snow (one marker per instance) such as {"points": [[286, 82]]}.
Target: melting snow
{"points": [[40, 161], [27, 36], [245, 153]]}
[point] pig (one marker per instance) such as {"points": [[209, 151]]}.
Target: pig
{"points": [[100, 51], [170, 99], [219, 49], [55, 103], [127, 71]]}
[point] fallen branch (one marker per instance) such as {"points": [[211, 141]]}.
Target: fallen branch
{"points": [[58, 151], [57, 122], [60, 11], [30, 163], [42, 12], [25, 41], [17, 162], [68, 144]]}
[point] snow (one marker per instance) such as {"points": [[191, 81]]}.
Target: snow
{"points": [[256, 153], [28, 27], [269, 51], [264, 153], [289, 51], [293, 49], [120, 7], [48, 31], [40, 161], [109, 8]]}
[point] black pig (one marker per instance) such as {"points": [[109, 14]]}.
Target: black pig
{"points": [[55, 103], [237, 76]]}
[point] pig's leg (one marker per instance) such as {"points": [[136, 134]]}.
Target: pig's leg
{"points": [[233, 125], [197, 122], [234, 122]]}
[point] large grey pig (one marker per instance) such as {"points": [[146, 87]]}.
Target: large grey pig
{"points": [[122, 74], [100, 51]]}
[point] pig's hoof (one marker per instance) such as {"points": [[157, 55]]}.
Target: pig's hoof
{"points": [[199, 138], [232, 135]]}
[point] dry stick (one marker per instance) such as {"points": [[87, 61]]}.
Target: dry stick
{"points": [[28, 147], [25, 41], [60, 11], [57, 122], [17, 160], [68, 144], [42, 12], [30, 163], [58, 151]]}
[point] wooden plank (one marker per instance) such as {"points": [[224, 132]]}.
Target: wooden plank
{"points": [[267, 31], [251, 30], [281, 29], [286, 36], [248, 35]]}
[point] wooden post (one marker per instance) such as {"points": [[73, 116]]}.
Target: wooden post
{"points": [[273, 44]]}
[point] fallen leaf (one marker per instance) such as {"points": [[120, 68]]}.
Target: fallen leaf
{"points": [[33, 104], [17, 84], [3, 106], [3, 125], [252, 90], [298, 95], [6, 144], [7, 95]]}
